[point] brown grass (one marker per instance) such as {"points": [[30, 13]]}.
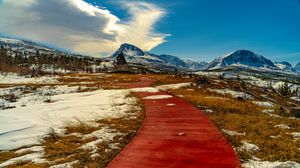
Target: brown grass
{"points": [[105, 81], [170, 79], [63, 149], [28, 164], [259, 129], [245, 117], [6, 155], [88, 80], [229, 113]]}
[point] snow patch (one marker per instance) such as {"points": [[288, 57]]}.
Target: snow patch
{"points": [[12, 78], [295, 99], [173, 86], [145, 89], [158, 97], [65, 165], [35, 157], [275, 137], [208, 111], [31, 149], [162, 87], [103, 135], [296, 135], [267, 164], [249, 147], [23, 126], [282, 126], [263, 104], [235, 94], [268, 111], [233, 133]]}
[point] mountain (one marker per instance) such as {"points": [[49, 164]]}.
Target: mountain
{"points": [[172, 60], [19, 56], [135, 55], [285, 66], [242, 58], [297, 67], [22, 45], [196, 65], [129, 50], [29, 47]]}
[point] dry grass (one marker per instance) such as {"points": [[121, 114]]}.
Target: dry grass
{"points": [[6, 155], [99, 78], [63, 149], [111, 81], [170, 79], [28, 164], [245, 117], [259, 129], [105, 81], [88, 80], [229, 113]]}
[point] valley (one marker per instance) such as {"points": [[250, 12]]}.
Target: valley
{"points": [[95, 110], [66, 110], [149, 84]]}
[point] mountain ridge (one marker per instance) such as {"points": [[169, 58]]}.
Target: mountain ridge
{"points": [[133, 54], [248, 59], [297, 67], [242, 57], [26, 46]]}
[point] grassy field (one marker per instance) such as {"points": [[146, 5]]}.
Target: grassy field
{"points": [[227, 112], [245, 117], [68, 148]]}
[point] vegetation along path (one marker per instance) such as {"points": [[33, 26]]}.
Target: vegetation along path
{"points": [[175, 134]]}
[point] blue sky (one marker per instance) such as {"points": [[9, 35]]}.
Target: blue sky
{"points": [[200, 30], [205, 29]]}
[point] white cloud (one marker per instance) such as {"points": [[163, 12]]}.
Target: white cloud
{"points": [[144, 16], [81, 27]]}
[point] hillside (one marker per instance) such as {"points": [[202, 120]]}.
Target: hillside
{"points": [[23, 56]]}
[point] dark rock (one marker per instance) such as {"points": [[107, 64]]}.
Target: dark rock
{"points": [[121, 59], [295, 111]]}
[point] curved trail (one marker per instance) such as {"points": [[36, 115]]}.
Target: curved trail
{"points": [[175, 134]]}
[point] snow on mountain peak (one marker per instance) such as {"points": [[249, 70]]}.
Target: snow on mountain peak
{"points": [[135, 55], [8, 40], [242, 58], [129, 50], [22, 45], [285, 66]]}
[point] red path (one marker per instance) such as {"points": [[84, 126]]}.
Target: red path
{"points": [[175, 136]]}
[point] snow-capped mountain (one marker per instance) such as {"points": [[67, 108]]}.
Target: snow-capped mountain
{"points": [[22, 45], [297, 67], [135, 55], [26, 54], [242, 58], [25, 46], [285, 66], [196, 65]]}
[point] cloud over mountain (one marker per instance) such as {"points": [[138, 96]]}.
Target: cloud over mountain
{"points": [[82, 27]]}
